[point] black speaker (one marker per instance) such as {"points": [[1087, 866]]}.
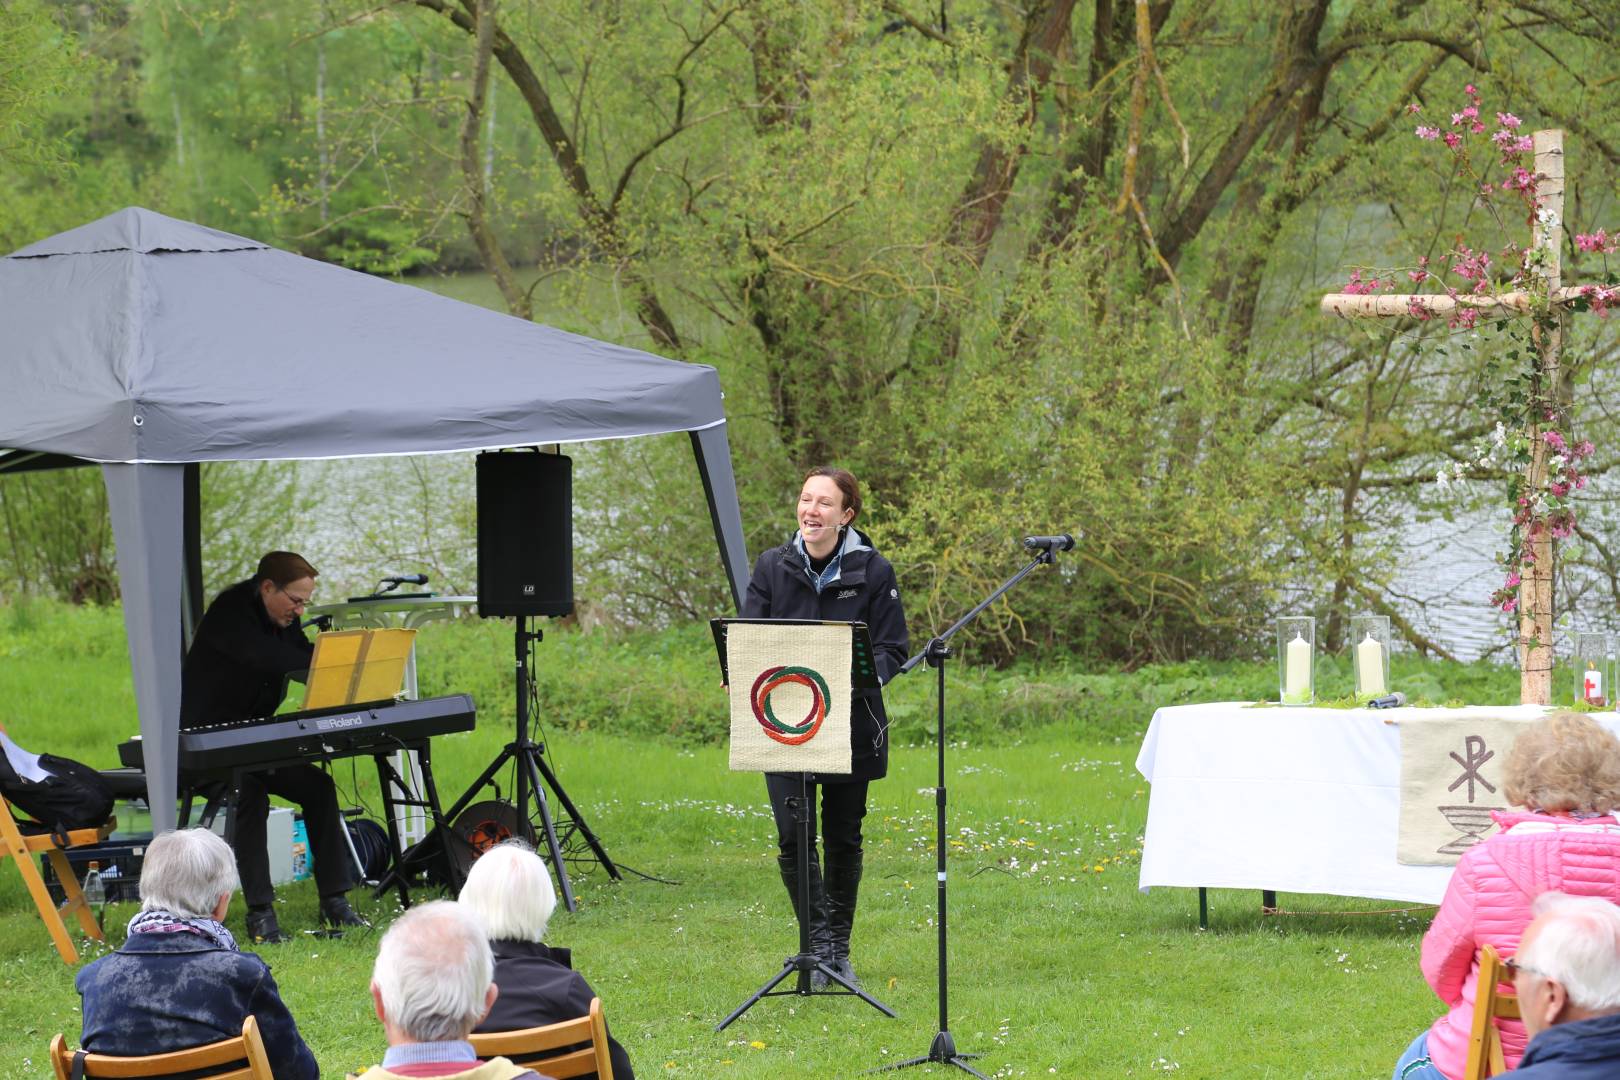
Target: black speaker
{"points": [[525, 534]]}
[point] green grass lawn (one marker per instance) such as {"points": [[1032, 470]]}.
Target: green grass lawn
{"points": [[1059, 966]]}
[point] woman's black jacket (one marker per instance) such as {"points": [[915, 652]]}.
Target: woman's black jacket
{"points": [[864, 591]]}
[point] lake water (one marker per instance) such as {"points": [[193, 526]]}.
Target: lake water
{"points": [[1445, 581]]}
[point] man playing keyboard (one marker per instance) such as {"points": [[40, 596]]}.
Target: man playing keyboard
{"points": [[247, 646]]}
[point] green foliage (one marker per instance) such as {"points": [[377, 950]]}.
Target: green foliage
{"points": [[905, 248], [246, 508], [1139, 445], [56, 531], [50, 113], [666, 684], [57, 536], [647, 555], [43, 629]]}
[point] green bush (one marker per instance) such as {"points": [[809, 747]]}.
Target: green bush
{"points": [[666, 684]]}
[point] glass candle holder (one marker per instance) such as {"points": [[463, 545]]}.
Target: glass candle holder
{"points": [[1594, 669], [1369, 654], [1296, 659]]}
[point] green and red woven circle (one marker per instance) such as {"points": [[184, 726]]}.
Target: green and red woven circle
{"points": [[805, 730]]}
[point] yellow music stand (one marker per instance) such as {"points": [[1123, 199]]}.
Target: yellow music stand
{"points": [[352, 667]]}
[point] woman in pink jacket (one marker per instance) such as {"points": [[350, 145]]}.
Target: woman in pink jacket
{"points": [[1565, 772]]}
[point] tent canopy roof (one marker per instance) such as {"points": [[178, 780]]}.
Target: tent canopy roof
{"points": [[140, 338]]}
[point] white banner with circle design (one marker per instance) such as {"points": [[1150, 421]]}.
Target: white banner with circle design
{"points": [[790, 697]]}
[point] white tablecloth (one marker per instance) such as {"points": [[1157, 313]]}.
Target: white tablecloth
{"points": [[1297, 800]]}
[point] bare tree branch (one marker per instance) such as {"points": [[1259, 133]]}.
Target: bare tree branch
{"points": [[600, 223]]}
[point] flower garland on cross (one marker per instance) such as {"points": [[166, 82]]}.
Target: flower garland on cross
{"points": [[1534, 433]]}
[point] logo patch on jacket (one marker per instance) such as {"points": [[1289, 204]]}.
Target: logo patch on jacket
{"points": [[845, 594]]}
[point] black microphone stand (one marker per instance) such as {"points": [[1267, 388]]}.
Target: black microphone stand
{"points": [[943, 1049]]}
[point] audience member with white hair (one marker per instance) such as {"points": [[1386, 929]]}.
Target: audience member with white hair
{"points": [[510, 889], [1567, 976], [430, 986], [179, 980]]}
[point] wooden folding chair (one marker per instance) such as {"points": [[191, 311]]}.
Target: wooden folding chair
{"points": [[545, 1049], [1491, 1003], [24, 846], [224, 1058]]}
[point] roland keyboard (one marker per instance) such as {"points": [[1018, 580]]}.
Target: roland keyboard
{"points": [[316, 735]]}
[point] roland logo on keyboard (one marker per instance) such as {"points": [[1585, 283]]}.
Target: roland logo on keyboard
{"points": [[332, 723]]}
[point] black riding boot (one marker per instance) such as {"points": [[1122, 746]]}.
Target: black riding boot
{"points": [[843, 885], [820, 939]]}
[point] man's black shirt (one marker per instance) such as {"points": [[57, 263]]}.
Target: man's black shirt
{"points": [[239, 661]]}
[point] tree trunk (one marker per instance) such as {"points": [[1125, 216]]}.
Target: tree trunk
{"points": [[474, 189], [323, 177]]}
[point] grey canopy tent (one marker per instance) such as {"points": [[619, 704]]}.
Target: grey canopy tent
{"points": [[147, 345]]}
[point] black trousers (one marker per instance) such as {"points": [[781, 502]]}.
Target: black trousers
{"points": [[312, 790], [843, 805]]}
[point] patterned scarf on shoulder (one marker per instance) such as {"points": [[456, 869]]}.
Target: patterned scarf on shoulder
{"points": [[158, 921]]}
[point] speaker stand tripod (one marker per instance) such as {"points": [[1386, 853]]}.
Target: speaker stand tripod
{"points": [[534, 775], [806, 960]]}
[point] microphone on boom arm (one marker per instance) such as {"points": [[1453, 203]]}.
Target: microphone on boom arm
{"points": [[1060, 542], [391, 582]]}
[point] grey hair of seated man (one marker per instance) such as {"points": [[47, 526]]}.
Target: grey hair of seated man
{"points": [[189, 872], [510, 889], [432, 981], [1569, 961]]}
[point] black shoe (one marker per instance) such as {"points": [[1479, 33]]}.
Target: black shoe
{"points": [[336, 912], [262, 927]]}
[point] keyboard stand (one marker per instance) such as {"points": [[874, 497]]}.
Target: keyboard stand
{"points": [[396, 793]]}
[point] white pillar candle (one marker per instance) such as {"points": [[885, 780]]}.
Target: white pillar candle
{"points": [[1297, 674], [1370, 666], [1593, 685]]}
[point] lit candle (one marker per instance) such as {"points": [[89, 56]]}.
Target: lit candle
{"points": [[1370, 666], [1593, 684], [1297, 677]]}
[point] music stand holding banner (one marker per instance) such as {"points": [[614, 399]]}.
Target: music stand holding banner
{"points": [[791, 684]]}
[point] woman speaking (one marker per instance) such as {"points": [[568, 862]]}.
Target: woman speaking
{"points": [[829, 570]]}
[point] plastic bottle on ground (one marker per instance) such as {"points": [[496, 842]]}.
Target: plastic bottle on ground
{"points": [[95, 891]]}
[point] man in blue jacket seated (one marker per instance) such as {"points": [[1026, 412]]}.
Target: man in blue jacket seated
{"points": [[1567, 976], [179, 980]]}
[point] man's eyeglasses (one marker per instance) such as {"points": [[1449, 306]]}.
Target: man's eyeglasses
{"points": [[1514, 967], [294, 600]]}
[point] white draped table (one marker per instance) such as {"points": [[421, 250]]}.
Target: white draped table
{"points": [[1284, 799]]}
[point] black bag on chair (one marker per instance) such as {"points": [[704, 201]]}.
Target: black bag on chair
{"points": [[71, 796]]}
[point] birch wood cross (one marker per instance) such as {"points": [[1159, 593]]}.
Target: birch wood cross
{"points": [[1535, 607]]}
